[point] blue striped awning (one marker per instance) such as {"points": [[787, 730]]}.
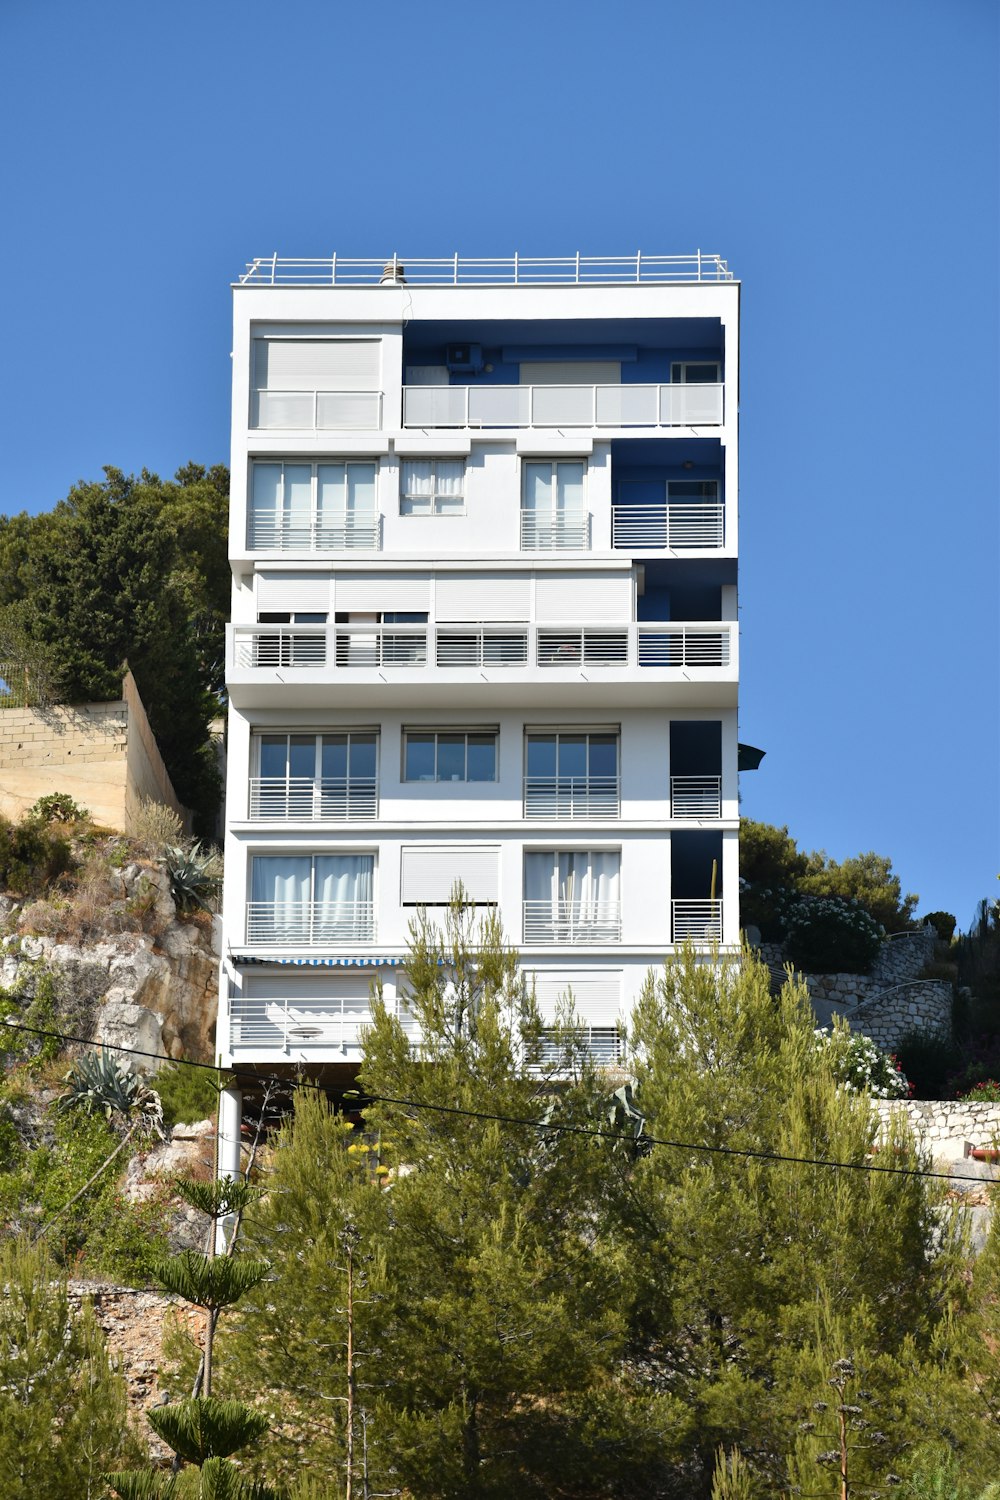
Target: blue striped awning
{"points": [[359, 961]]}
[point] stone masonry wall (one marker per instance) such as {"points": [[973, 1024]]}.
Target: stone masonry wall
{"points": [[947, 1126]]}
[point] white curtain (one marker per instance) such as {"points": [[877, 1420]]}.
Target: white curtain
{"points": [[282, 879], [450, 483], [538, 488], [298, 495], [360, 491], [569, 489], [344, 878]]}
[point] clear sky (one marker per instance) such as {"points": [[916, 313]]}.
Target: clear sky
{"points": [[843, 154]]}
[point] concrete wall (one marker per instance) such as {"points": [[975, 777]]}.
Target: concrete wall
{"points": [[103, 755]]}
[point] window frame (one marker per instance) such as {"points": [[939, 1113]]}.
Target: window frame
{"points": [[437, 730], [685, 364], [433, 498]]}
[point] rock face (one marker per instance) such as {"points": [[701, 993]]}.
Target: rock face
{"points": [[155, 990]]}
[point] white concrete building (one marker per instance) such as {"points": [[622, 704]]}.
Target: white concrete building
{"points": [[484, 547]]}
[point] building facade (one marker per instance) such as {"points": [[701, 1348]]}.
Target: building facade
{"points": [[484, 545]]}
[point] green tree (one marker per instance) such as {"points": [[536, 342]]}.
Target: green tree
{"points": [[63, 1412], [771, 859]]}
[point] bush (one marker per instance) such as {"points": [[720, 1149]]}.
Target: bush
{"points": [[930, 1059], [987, 1092], [58, 807], [187, 1094], [829, 935], [944, 924], [30, 856], [859, 1065], [155, 826]]}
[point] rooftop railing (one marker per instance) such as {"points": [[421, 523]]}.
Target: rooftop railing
{"points": [[463, 270]]}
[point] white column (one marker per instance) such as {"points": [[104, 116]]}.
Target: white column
{"points": [[228, 1155], [730, 889]]}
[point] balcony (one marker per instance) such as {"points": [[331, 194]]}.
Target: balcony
{"points": [[548, 406], [601, 1044], [559, 797], [696, 796], [276, 531], [647, 645], [327, 799], [553, 532], [652, 528], [695, 921], [309, 924], [319, 411], [572, 921], [333, 1021]]}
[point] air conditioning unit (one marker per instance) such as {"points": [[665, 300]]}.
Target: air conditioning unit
{"points": [[464, 359]]}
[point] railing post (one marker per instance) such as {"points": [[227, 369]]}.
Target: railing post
{"points": [[456, 269], [515, 268], [578, 268], [638, 265], [274, 267]]}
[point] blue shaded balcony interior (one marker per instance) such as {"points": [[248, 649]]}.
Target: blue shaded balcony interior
{"points": [[668, 496], [683, 588], [696, 886]]}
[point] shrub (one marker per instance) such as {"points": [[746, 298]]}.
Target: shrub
{"points": [[944, 924], [767, 908], [826, 934], [31, 857], [930, 1059], [859, 1065], [58, 807], [187, 1094], [155, 827], [987, 1092]]}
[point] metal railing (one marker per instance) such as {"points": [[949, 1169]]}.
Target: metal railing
{"points": [[649, 645], [313, 799], [683, 646], [280, 646], [675, 405], [485, 646], [572, 797], [553, 532], [696, 796], [271, 531], [310, 923], [668, 526], [572, 921], [601, 1044], [464, 270], [322, 411], [333, 1021], [696, 921]]}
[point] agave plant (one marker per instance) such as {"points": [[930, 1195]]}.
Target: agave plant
{"points": [[195, 876]]}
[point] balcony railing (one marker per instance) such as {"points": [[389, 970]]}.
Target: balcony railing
{"points": [[547, 647], [654, 527], [601, 1044], [675, 405], [333, 1021], [572, 921], [464, 270], [273, 531], [322, 411], [333, 798], [696, 796], [696, 921], [552, 532], [571, 797], [310, 924]]}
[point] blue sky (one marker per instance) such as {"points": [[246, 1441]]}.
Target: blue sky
{"points": [[843, 154]]}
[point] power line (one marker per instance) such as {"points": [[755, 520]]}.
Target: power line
{"points": [[595, 1132]]}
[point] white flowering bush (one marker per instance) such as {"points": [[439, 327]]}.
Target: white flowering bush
{"points": [[830, 934], [861, 1067]]}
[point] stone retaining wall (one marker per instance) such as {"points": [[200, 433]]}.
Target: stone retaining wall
{"points": [[947, 1126], [920, 1005]]}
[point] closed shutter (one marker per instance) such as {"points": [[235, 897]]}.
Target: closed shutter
{"points": [[571, 372], [430, 873], [382, 591], [298, 593], [482, 596], [583, 597], [596, 994], [316, 364]]}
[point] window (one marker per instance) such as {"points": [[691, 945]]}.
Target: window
{"points": [[316, 383], [552, 509], [429, 873], [432, 487], [571, 774], [311, 899], [290, 648], [315, 775], [695, 372], [692, 491], [450, 755], [313, 506], [572, 894]]}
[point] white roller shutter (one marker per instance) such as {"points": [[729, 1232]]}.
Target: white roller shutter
{"points": [[597, 994], [583, 598], [429, 873], [571, 372], [348, 990], [316, 364], [382, 591], [483, 596], [298, 593]]}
